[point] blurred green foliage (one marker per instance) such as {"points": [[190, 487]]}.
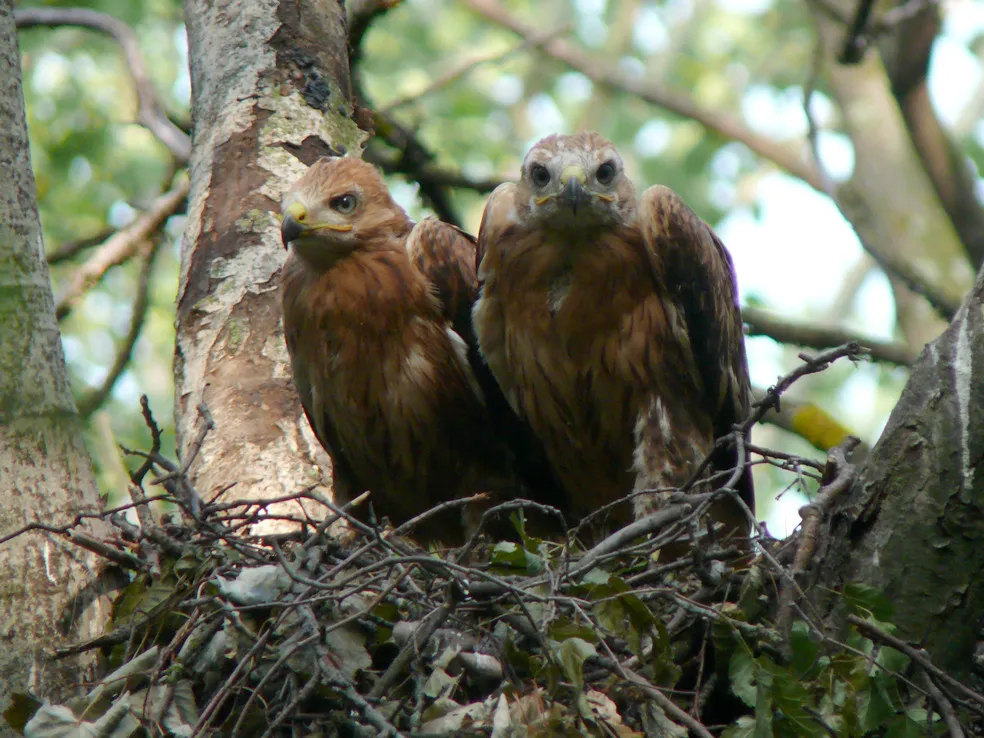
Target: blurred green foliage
{"points": [[95, 167]]}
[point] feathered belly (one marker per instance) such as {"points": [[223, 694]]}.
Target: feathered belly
{"points": [[581, 412]]}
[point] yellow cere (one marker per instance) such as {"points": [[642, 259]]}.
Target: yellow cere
{"points": [[573, 171], [297, 211]]}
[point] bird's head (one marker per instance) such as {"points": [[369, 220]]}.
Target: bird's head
{"points": [[575, 182], [338, 206]]}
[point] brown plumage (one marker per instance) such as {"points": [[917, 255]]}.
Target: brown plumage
{"points": [[611, 324], [369, 303]]}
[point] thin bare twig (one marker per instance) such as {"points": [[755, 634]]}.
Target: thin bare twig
{"points": [[943, 705], [810, 365], [918, 655], [415, 643], [150, 111], [838, 477], [456, 73]]}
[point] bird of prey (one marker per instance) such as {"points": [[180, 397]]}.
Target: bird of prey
{"points": [[612, 327], [372, 306]]}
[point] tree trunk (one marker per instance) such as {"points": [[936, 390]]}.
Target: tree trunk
{"points": [[270, 92], [913, 525], [45, 472]]}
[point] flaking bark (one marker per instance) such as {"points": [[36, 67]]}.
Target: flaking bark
{"points": [[270, 92]]}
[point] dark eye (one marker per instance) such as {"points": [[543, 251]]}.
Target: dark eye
{"points": [[344, 204], [539, 175], [606, 173]]}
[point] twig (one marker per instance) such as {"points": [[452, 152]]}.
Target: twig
{"points": [[668, 706], [500, 509], [619, 538], [413, 161], [150, 112], [811, 365], [916, 654], [942, 705], [156, 433], [839, 476], [414, 644], [790, 159], [122, 245], [455, 73], [372, 716], [121, 558], [94, 399]]}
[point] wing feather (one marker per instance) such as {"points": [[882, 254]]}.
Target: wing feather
{"points": [[344, 474], [700, 274], [445, 255], [529, 456]]}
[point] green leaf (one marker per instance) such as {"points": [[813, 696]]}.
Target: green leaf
{"points": [[864, 600], [596, 577], [891, 660], [744, 727], [741, 672], [563, 628], [763, 704], [804, 651], [21, 709], [571, 655]]}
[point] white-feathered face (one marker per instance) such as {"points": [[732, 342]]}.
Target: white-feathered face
{"points": [[572, 182]]}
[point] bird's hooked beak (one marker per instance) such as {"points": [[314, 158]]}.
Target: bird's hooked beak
{"points": [[573, 193], [291, 227]]}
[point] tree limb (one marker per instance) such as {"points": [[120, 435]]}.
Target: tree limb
{"points": [[95, 398], [764, 323], [150, 111], [790, 158], [121, 246]]}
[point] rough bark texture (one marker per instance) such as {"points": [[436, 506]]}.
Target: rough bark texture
{"points": [[45, 473], [890, 200], [270, 90], [914, 524]]}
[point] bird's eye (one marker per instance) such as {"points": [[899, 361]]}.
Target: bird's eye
{"points": [[606, 173], [344, 204], [539, 175]]}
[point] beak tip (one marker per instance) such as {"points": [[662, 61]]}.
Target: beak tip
{"points": [[290, 229], [573, 194]]}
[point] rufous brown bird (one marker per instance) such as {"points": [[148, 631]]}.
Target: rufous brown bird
{"points": [[611, 324], [371, 302]]}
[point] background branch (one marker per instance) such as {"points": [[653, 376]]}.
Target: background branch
{"points": [[791, 158], [94, 399], [763, 323], [150, 111], [121, 246], [67, 250]]}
